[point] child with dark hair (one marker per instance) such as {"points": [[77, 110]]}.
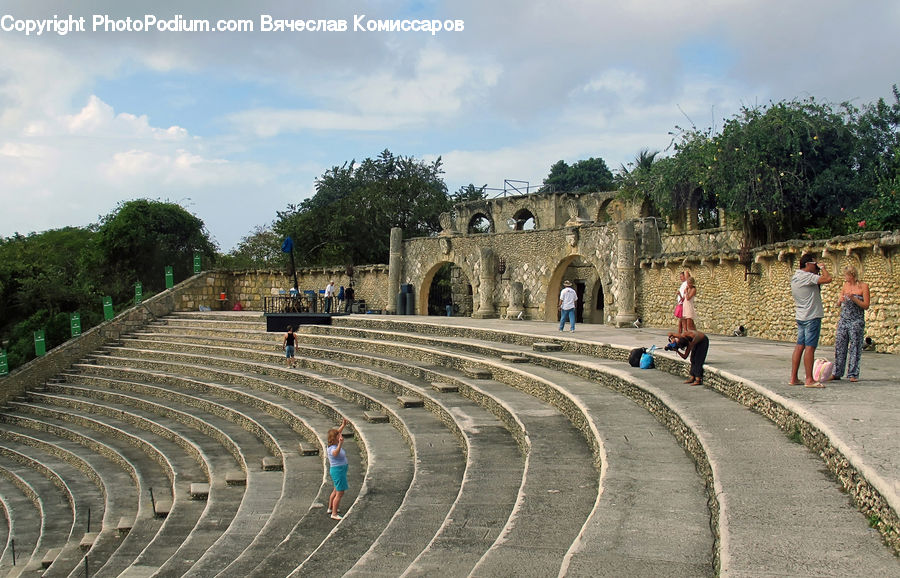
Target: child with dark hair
{"points": [[695, 344]]}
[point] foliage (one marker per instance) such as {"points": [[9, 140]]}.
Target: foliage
{"points": [[140, 238], [585, 175], [469, 193], [43, 278], [880, 212], [785, 167], [349, 218], [261, 249], [780, 170]]}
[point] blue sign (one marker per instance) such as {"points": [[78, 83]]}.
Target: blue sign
{"points": [[288, 245]]}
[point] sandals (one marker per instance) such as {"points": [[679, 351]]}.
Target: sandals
{"points": [[815, 384]]}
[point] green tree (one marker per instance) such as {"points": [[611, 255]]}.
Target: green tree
{"points": [[261, 249], [137, 240], [585, 175], [43, 278], [469, 193], [785, 168], [349, 218]]}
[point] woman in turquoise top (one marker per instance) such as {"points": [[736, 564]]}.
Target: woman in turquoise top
{"points": [[851, 326], [337, 459]]}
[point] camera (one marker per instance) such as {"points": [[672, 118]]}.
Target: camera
{"points": [[671, 346]]}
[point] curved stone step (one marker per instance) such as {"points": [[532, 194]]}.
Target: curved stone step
{"points": [[199, 434], [54, 503], [144, 471], [265, 490], [119, 494], [181, 461], [794, 552], [24, 511], [363, 502], [382, 557]]}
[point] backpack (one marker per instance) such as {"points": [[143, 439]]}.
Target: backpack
{"points": [[647, 358], [822, 369], [634, 358]]}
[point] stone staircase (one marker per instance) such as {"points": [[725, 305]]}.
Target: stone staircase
{"points": [[472, 451]]}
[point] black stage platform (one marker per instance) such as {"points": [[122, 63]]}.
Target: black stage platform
{"points": [[281, 321]]}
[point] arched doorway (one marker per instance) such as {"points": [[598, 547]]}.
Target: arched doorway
{"points": [[446, 284], [587, 285]]}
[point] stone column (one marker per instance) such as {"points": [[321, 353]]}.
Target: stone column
{"points": [[516, 300], [395, 264], [486, 287], [625, 270]]}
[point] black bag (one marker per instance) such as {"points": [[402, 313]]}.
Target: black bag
{"points": [[634, 358]]}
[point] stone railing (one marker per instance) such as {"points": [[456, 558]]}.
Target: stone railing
{"points": [[718, 240]]}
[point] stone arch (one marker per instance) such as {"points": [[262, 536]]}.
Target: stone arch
{"points": [[594, 294], [475, 224], [522, 218], [603, 213], [428, 279]]}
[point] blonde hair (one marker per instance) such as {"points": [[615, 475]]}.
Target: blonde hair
{"points": [[851, 270], [333, 436]]}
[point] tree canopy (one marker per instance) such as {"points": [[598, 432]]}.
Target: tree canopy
{"points": [[44, 277], [585, 175], [787, 169], [348, 220], [140, 238]]}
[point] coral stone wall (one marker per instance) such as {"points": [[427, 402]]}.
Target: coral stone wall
{"points": [[251, 287], [762, 301], [540, 260]]}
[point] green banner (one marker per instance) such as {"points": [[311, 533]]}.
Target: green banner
{"points": [[40, 344], [75, 321], [108, 312], [197, 264], [4, 364], [138, 293], [170, 277]]}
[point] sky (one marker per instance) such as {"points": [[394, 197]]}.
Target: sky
{"points": [[237, 125]]}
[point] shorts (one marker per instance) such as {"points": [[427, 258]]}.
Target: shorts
{"points": [[808, 332], [339, 477], [289, 351]]}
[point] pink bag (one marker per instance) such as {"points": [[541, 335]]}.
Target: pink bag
{"points": [[822, 369], [679, 311]]}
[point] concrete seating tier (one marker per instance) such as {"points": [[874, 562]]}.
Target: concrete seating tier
{"points": [[474, 453], [762, 522], [118, 494], [401, 473], [334, 352]]}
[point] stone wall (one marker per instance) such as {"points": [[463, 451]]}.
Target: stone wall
{"points": [[729, 296], [251, 287], [539, 259]]}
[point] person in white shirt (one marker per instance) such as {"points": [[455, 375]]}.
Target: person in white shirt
{"points": [[329, 296], [567, 299]]}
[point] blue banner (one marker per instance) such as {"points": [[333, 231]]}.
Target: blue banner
{"points": [[288, 245]]}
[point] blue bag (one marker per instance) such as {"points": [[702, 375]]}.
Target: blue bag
{"points": [[647, 358]]}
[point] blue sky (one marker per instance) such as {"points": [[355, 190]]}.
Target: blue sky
{"points": [[237, 125]]}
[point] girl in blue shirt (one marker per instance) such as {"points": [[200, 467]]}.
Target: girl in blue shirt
{"points": [[337, 459]]}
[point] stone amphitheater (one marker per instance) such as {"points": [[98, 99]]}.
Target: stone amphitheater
{"points": [[180, 444]]}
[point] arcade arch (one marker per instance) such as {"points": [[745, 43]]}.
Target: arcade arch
{"points": [[588, 284], [480, 223], [446, 283]]}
